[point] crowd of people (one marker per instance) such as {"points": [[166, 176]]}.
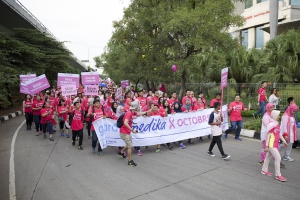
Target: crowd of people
{"points": [[72, 114]]}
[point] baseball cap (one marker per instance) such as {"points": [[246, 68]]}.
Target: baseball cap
{"points": [[134, 105]]}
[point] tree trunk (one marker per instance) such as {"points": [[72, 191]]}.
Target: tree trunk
{"points": [[136, 83], [183, 82], [147, 85], [152, 86]]}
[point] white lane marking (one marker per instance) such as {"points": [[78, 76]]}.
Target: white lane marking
{"points": [[12, 178]]}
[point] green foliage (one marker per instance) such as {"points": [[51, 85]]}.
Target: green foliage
{"points": [[253, 125], [192, 34], [29, 51], [248, 113]]}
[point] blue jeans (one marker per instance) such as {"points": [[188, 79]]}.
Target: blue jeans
{"points": [[38, 126], [239, 125], [261, 110], [94, 141]]}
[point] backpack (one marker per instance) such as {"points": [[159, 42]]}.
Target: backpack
{"points": [[120, 122]]}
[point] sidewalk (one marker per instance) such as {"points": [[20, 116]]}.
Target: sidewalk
{"points": [[8, 113]]}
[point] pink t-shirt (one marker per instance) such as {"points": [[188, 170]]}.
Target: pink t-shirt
{"points": [[274, 137], [77, 123], [47, 118], [236, 112], [128, 115], [63, 109], [98, 114], [263, 94], [143, 103], [212, 102], [28, 106]]}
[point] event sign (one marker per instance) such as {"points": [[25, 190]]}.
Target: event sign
{"points": [[24, 89], [125, 83], [68, 90], [158, 130], [67, 79], [119, 92], [37, 84], [90, 78], [91, 89], [27, 77], [224, 77]]}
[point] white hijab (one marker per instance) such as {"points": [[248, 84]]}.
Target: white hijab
{"points": [[273, 122]]}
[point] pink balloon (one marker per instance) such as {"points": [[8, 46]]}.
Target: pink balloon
{"points": [[174, 68]]}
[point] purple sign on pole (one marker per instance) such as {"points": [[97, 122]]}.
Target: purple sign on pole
{"points": [[125, 83], [37, 84], [88, 78], [224, 77], [67, 79], [91, 89], [27, 77]]}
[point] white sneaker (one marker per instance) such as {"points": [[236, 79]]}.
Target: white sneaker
{"points": [[287, 158]]}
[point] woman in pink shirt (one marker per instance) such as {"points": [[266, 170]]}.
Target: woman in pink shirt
{"points": [[272, 143], [47, 116], [36, 108], [63, 117], [27, 111], [289, 129], [263, 133]]}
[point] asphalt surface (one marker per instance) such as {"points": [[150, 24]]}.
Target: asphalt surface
{"points": [[57, 170]]}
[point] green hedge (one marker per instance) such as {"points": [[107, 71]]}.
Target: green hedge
{"points": [[253, 125]]}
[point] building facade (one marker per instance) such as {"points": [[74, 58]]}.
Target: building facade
{"points": [[255, 31]]}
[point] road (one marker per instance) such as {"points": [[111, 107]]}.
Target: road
{"points": [[57, 170]]}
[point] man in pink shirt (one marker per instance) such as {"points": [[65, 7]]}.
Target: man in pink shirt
{"points": [[235, 109], [187, 96], [216, 99], [261, 100]]}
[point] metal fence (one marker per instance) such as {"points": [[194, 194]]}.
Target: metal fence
{"points": [[248, 92]]}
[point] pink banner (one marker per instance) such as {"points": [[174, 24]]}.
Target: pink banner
{"points": [[88, 78], [68, 90], [119, 92], [224, 77], [67, 79], [91, 89], [37, 84], [23, 89], [27, 77], [125, 83]]}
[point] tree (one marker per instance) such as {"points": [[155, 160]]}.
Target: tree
{"points": [[30, 51], [173, 32]]}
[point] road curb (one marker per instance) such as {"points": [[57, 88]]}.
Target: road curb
{"points": [[10, 116]]}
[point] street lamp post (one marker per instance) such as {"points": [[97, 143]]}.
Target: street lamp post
{"points": [[88, 46]]}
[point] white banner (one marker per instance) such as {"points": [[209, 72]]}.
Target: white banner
{"points": [[158, 130]]}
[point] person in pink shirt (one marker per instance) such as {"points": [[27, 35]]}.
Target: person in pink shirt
{"points": [[143, 101], [172, 100], [128, 100], [47, 116], [62, 112], [27, 111], [263, 132], [155, 98], [261, 100], [272, 144], [95, 112], [36, 108], [203, 101], [289, 129], [235, 109], [187, 96], [216, 99]]}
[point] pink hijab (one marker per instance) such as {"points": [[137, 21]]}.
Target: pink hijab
{"points": [[268, 106], [290, 109], [288, 112]]}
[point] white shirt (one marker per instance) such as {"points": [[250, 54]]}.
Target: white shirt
{"points": [[274, 100]]}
